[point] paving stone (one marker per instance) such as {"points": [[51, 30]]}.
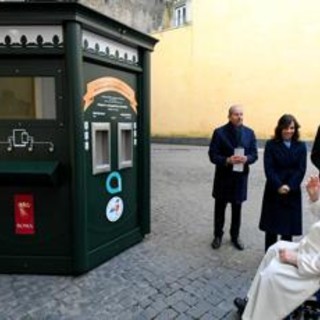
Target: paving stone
{"points": [[175, 297], [140, 317], [167, 314], [190, 300], [150, 313], [145, 303], [180, 306], [173, 272], [159, 305], [199, 309], [184, 281], [184, 317], [158, 296], [208, 316]]}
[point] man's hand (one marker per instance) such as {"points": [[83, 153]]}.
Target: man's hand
{"points": [[237, 159], [288, 256]]}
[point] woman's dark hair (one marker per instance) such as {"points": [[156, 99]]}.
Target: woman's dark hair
{"points": [[283, 123]]}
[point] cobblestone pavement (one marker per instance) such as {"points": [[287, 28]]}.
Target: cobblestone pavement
{"points": [[173, 273]]}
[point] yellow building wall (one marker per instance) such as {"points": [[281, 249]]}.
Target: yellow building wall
{"points": [[263, 54]]}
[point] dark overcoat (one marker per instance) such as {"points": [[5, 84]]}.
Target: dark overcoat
{"points": [[229, 185], [282, 214]]}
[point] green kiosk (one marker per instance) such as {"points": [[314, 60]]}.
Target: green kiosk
{"points": [[74, 137]]}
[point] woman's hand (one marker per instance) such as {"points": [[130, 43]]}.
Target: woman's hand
{"points": [[284, 189], [288, 256], [313, 188]]}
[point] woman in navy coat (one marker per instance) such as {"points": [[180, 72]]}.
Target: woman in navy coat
{"points": [[285, 166]]}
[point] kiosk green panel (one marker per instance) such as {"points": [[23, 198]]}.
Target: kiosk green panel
{"points": [[74, 137], [111, 163]]}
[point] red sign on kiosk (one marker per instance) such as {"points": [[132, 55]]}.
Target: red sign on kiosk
{"points": [[24, 214]]}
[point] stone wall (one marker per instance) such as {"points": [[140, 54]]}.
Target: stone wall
{"points": [[144, 15]]}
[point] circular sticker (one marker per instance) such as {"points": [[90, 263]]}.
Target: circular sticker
{"points": [[114, 209]]}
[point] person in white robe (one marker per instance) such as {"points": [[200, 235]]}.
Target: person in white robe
{"points": [[289, 272]]}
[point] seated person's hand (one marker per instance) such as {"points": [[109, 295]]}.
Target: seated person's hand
{"points": [[313, 188], [288, 256]]}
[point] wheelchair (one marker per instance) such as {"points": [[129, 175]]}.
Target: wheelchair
{"points": [[309, 310]]}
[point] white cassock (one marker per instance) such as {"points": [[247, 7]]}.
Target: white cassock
{"points": [[279, 288]]}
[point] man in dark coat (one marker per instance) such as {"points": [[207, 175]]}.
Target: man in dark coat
{"points": [[232, 149], [315, 152]]}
